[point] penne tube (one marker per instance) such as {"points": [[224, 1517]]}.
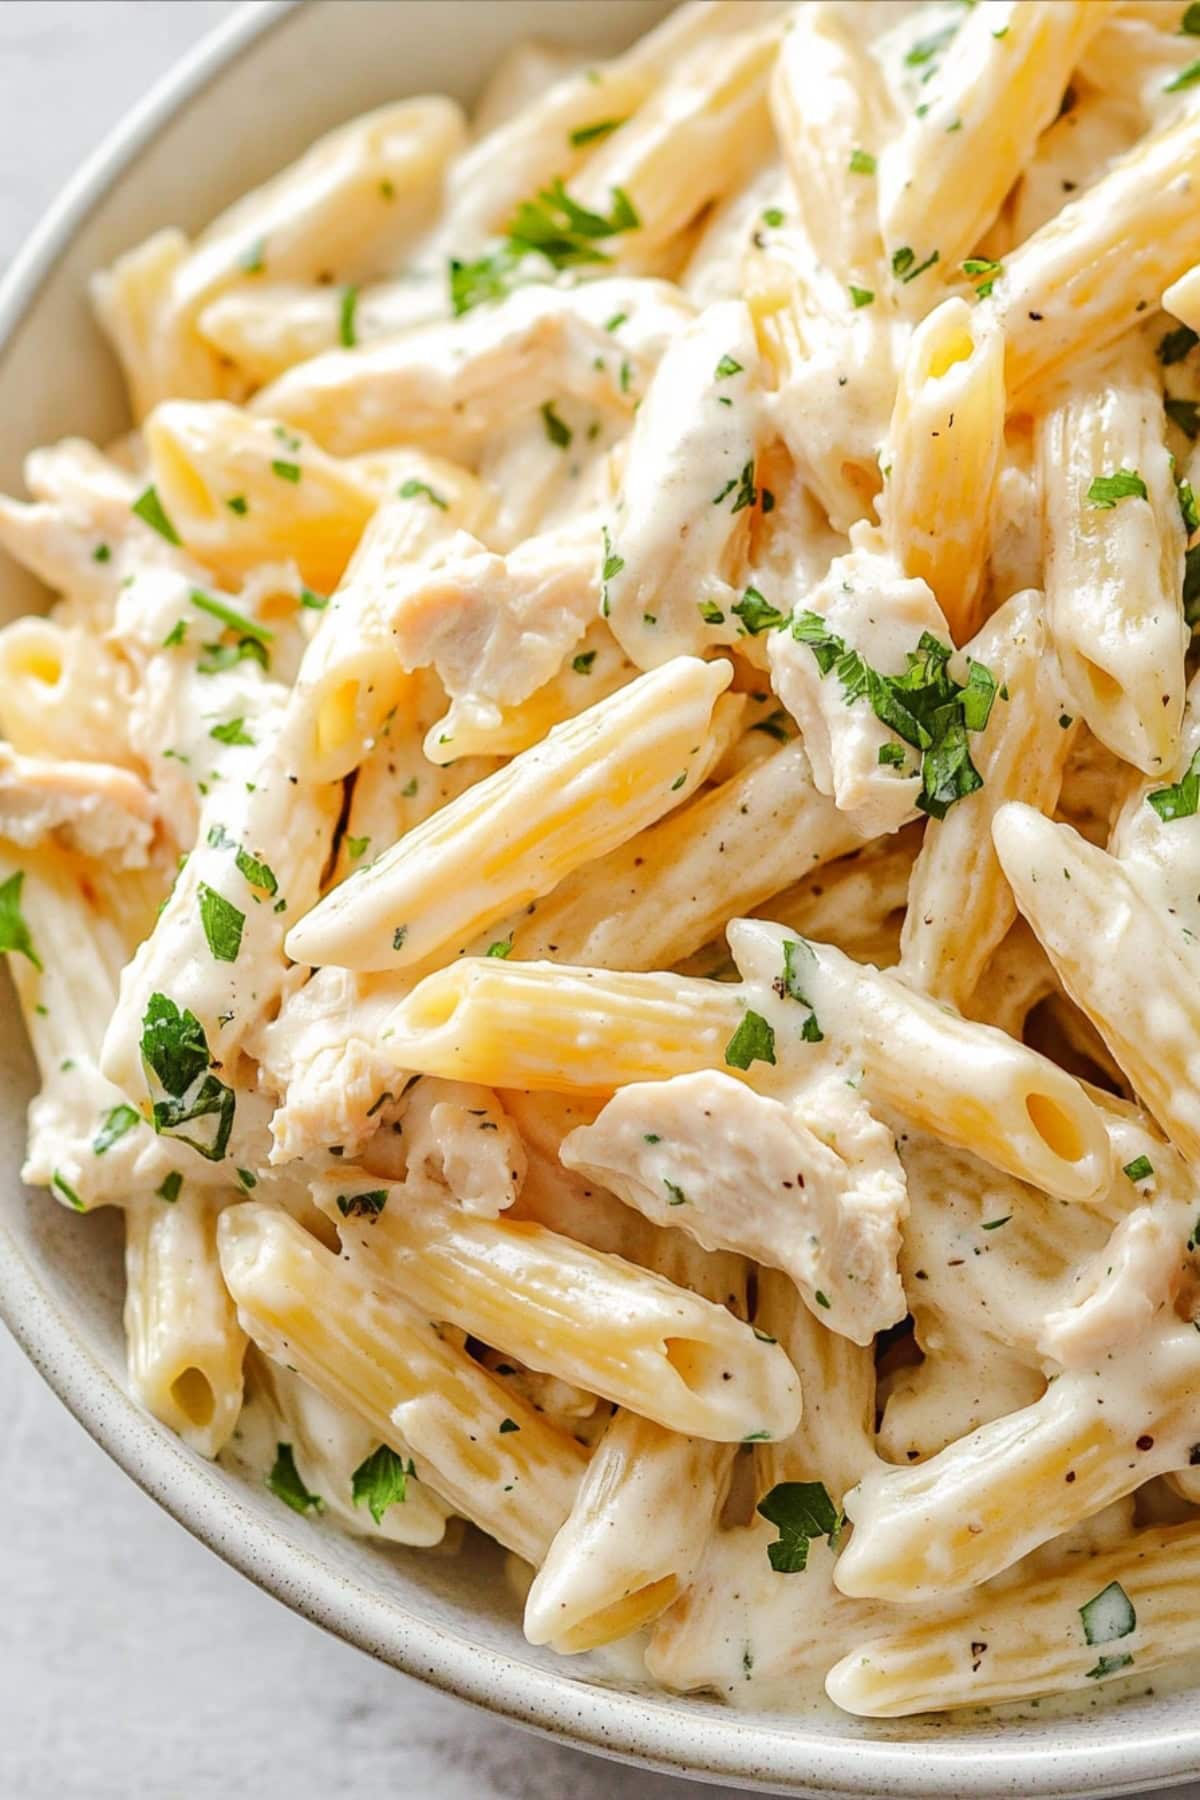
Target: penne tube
{"points": [[330, 1447], [596, 1321], [695, 139], [185, 1346], [959, 904], [563, 1030], [1000, 83], [983, 1502], [1114, 544], [634, 1537], [1030, 1637], [1122, 958], [341, 212], [240, 491], [968, 1084], [351, 679], [594, 782], [942, 456], [832, 117], [1084, 278], [671, 888], [307, 1309], [445, 387]]}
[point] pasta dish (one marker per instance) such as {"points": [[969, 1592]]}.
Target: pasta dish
{"points": [[600, 842]]}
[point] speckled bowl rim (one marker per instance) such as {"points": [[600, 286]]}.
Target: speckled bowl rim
{"points": [[756, 1753]]}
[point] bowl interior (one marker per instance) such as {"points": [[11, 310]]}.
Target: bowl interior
{"points": [[254, 96]]}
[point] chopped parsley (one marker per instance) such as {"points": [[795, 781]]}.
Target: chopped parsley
{"points": [[995, 1224], [1108, 1665], [1186, 78], [347, 334], [356, 847], [101, 554], [925, 706], [1180, 800], [753, 1041], [591, 134], [985, 271], [398, 937], [773, 216], [169, 1187], [1189, 25], [552, 226], [676, 1195], [507, 1425], [559, 433], [1108, 1615], [409, 490], [149, 508], [727, 367], [1187, 507], [710, 612], [757, 615], [14, 932], [114, 1125], [582, 664], [382, 1481], [610, 568], [1122, 484], [257, 873], [802, 1510], [312, 601], [286, 471], [232, 732], [905, 266], [229, 616], [61, 1185], [861, 296], [175, 1050], [501, 948], [363, 1206], [222, 922], [1140, 1169], [799, 959], [238, 504], [285, 1483], [927, 48], [862, 162]]}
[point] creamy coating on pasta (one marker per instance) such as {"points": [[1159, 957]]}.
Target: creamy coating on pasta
{"points": [[599, 840]]}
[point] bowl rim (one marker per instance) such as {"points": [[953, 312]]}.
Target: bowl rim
{"points": [[652, 1731]]}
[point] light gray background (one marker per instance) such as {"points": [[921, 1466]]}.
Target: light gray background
{"points": [[132, 1661]]}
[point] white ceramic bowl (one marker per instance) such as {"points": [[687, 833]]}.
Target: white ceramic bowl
{"points": [[242, 105]]}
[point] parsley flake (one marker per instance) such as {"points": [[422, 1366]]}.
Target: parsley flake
{"points": [[753, 1041], [802, 1510], [382, 1481], [14, 932], [149, 508], [1181, 799], [115, 1124], [285, 1483], [1122, 484]]}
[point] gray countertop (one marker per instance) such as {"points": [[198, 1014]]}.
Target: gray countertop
{"points": [[132, 1661]]}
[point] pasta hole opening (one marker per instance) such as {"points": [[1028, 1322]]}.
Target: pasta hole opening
{"points": [[433, 1010], [1055, 1126], [38, 662], [336, 717], [193, 1395], [183, 489], [701, 1367], [627, 1614], [1105, 687], [959, 347]]}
